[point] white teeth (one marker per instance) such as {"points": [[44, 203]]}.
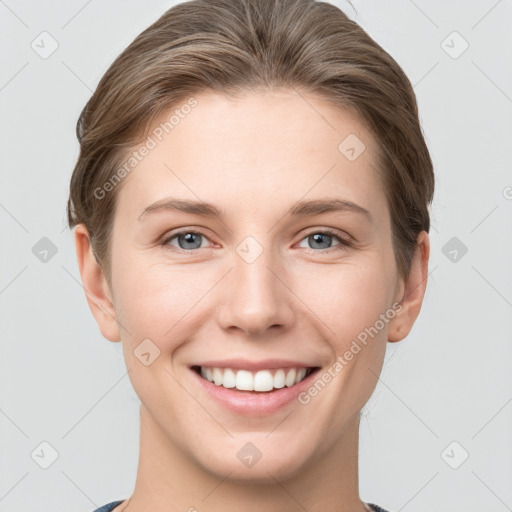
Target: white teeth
{"points": [[290, 377], [217, 376], [262, 380], [301, 374], [229, 380], [244, 380], [279, 379]]}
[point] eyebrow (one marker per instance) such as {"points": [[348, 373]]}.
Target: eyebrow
{"points": [[298, 209]]}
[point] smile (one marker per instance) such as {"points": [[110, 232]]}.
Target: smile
{"points": [[259, 381]]}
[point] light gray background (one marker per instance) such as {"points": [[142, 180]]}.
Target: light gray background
{"points": [[450, 380]]}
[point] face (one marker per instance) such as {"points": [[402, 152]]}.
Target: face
{"points": [[286, 269]]}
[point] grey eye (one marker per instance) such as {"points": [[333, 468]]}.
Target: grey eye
{"points": [[321, 240], [187, 240]]}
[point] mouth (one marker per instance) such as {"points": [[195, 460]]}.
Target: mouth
{"points": [[254, 382]]}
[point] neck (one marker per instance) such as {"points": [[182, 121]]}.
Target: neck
{"points": [[169, 480]]}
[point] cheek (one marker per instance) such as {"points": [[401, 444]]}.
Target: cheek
{"points": [[347, 298], [154, 301], [167, 302]]}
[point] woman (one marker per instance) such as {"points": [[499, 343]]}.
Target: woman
{"points": [[251, 220]]}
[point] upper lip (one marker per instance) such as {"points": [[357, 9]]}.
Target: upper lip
{"points": [[246, 364]]}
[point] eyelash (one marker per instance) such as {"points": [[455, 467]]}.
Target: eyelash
{"points": [[343, 243]]}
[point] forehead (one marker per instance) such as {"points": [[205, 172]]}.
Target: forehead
{"points": [[257, 149]]}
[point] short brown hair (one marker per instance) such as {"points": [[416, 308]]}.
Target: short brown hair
{"points": [[233, 46]]}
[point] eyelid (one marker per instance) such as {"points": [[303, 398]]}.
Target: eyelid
{"points": [[344, 241], [170, 235], [344, 237]]}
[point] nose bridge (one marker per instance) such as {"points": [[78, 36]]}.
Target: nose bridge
{"points": [[256, 299]]}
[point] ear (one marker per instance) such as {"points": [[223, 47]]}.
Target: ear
{"points": [[95, 285], [413, 288]]}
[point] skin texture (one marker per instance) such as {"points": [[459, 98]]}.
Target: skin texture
{"points": [[253, 157]]}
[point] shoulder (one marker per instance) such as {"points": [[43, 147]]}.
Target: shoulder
{"points": [[376, 508], [109, 506]]}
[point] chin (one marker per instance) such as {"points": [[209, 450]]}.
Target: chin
{"points": [[265, 471]]}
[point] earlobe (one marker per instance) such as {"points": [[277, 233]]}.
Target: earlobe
{"points": [[95, 285], [413, 291]]}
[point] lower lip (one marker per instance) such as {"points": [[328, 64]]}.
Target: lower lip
{"points": [[254, 403]]}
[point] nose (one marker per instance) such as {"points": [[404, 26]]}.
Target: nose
{"points": [[255, 296]]}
